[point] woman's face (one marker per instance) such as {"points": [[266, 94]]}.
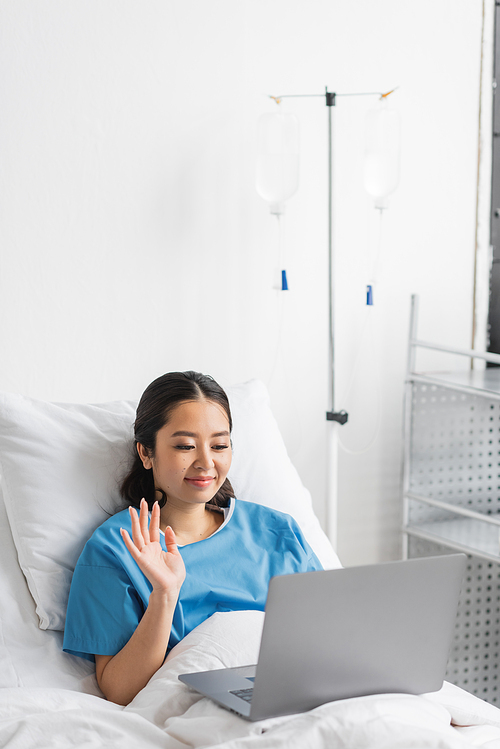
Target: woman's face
{"points": [[193, 453]]}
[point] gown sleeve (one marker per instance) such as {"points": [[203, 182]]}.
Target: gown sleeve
{"points": [[105, 605], [310, 562]]}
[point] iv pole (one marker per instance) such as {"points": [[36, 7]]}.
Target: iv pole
{"points": [[340, 417]]}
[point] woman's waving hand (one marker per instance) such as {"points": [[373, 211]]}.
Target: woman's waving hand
{"points": [[164, 570]]}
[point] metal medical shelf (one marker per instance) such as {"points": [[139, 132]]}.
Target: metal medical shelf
{"points": [[452, 498]]}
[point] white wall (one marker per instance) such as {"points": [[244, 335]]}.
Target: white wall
{"points": [[132, 240]]}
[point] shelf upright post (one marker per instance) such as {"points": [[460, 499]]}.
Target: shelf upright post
{"points": [[407, 410], [412, 352]]}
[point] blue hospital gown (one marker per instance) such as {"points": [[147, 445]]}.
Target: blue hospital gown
{"points": [[229, 571]]}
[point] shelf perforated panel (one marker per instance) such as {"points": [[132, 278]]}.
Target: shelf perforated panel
{"points": [[454, 458], [474, 661], [455, 451]]}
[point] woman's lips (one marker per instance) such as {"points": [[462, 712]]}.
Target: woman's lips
{"points": [[200, 481]]}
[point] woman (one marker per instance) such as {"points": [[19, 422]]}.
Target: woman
{"points": [[144, 581]]}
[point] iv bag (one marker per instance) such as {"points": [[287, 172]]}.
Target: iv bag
{"points": [[382, 153], [277, 170]]}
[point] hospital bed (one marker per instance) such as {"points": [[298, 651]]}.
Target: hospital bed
{"points": [[60, 466]]}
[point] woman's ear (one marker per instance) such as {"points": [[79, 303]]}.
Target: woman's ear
{"points": [[144, 456]]}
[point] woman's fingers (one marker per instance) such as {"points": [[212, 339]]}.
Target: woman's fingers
{"points": [[144, 530], [144, 520], [165, 570], [131, 546], [136, 528], [154, 524], [142, 536], [170, 541]]}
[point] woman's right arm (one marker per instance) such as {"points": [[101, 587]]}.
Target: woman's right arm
{"points": [[123, 675]]}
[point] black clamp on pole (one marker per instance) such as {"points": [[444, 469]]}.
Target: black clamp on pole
{"points": [[330, 98], [341, 416]]}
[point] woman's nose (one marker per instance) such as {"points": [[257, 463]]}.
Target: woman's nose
{"points": [[204, 459]]}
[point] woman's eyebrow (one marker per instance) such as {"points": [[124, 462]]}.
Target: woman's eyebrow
{"points": [[193, 434]]}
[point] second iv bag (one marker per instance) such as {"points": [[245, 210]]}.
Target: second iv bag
{"points": [[382, 153], [277, 171]]}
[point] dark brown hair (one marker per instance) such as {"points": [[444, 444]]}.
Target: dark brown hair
{"points": [[153, 412]]}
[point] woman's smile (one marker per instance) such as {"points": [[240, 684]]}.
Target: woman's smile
{"points": [[200, 481]]}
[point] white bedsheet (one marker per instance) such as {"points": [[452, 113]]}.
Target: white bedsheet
{"points": [[168, 714]]}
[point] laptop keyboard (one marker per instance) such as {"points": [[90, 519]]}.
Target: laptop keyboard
{"points": [[244, 694]]}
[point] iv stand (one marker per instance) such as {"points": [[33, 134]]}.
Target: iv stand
{"points": [[331, 415], [330, 100], [340, 417]]}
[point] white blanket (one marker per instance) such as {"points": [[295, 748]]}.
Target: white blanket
{"points": [[168, 714]]}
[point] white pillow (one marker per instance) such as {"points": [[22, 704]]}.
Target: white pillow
{"points": [[261, 470], [61, 466]]}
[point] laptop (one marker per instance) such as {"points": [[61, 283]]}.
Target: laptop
{"points": [[335, 634]]}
